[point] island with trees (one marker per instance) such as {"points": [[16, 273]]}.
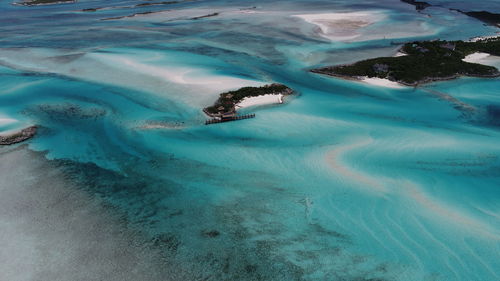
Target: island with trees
{"points": [[484, 16], [227, 102], [423, 62]]}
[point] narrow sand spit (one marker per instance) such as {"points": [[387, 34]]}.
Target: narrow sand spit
{"points": [[140, 70], [342, 26], [334, 158]]}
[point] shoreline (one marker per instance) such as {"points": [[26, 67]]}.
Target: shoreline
{"points": [[375, 81], [429, 56], [400, 54], [401, 84]]}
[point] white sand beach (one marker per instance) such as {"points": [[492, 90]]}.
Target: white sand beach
{"points": [[260, 100], [400, 54], [342, 26], [381, 82], [479, 38], [483, 58], [476, 57], [187, 75]]}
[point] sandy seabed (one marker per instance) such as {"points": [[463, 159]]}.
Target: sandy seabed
{"points": [[342, 26], [51, 230]]}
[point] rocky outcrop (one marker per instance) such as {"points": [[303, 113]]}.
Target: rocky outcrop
{"points": [[19, 136]]}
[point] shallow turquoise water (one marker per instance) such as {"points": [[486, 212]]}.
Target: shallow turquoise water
{"points": [[345, 181]]}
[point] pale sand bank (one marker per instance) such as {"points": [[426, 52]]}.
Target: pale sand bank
{"points": [[381, 82], [400, 54], [187, 75], [152, 72], [260, 100], [476, 57], [342, 26], [483, 58], [7, 121]]}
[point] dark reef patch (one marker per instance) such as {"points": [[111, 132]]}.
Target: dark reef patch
{"points": [[210, 233], [66, 111], [493, 115]]}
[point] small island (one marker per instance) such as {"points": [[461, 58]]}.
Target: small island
{"points": [[18, 136], [484, 16], [227, 103], [43, 2], [423, 62]]}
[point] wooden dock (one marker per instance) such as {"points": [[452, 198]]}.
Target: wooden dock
{"points": [[229, 119]]}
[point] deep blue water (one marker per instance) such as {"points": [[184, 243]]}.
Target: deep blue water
{"points": [[346, 181]]}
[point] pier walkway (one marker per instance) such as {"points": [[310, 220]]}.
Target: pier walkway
{"points": [[229, 119]]}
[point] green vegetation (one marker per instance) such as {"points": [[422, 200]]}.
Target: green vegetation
{"points": [[227, 101], [425, 62], [43, 2]]}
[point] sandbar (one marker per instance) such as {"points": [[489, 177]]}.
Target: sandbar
{"points": [[342, 26]]}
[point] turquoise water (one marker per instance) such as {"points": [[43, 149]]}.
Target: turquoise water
{"points": [[346, 181]]}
